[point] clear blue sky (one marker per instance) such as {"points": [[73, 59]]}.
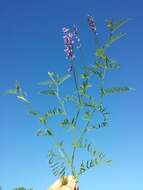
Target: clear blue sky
{"points": [[31, 44]]}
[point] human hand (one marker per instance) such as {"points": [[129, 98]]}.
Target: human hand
{"points": [[65, 183]]}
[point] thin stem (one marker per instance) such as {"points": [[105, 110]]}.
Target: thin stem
{"points": [[74, 144], [60, 100], [85, 128], [97, 41], [57, 94], [65, 154], [62, 150], [72, 161], [103, 80], [76, 83], [75, 128], [82, 57]]}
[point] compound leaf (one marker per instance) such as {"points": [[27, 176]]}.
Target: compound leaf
{"points": [[44, 132], [64, 78], [107, 91], [113, 26], [48, 92], [114, 38]]}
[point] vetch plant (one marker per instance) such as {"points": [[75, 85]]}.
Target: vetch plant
{"points": [[88, 79]]}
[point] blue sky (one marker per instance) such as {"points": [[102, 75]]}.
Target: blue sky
{"points": [[31, 44]]}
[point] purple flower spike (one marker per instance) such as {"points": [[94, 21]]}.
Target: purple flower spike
{"points": [[65, 30], [76, 36], [91, 23], [68, 42], [71, 39]]}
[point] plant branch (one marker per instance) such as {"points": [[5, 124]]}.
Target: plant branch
{"points": [[85, 128]]}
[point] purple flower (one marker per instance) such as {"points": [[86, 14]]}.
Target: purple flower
{"points": [[71, 38], [76, 36], [91, 23], [68, 42]]}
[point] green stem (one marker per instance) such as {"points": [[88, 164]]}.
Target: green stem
{"points": [[76, 83], [72, 162], [60, 100], [85, 128], [74, 145], [58, 96], [102, 81], [97, 41], [62, 150], [82, 57], [75, 128]]}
